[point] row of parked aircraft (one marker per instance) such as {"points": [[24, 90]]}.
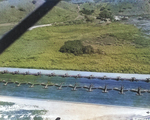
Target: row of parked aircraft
{"points": [[75, 76], [74, 87]]}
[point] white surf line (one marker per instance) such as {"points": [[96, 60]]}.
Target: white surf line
{"points": [[37, 26], [81, 73], [73, 110]]}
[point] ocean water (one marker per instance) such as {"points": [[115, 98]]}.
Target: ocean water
{"points": [[12, 111]]}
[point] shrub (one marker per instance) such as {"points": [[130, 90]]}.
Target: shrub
{"points": [[103, 8], [87, 12], [12, 6], [21, 9], [88, 49], [105, 14], [88, 19], [76, 47], [121, 11]]}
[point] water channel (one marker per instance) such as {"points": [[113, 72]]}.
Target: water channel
{"points": [[80, 95]]}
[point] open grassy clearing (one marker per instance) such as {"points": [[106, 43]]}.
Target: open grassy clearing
{"points": [[65, 11], [10, 13], [39, 48], [62, 12], [58, 14], [4, 29]]}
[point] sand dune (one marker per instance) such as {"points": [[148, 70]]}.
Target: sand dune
{"points": [[79, 111]]}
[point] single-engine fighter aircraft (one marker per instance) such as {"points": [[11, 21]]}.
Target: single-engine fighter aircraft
{"points": [[105, 89], [33, 84], [90, 88], [26, 73], [46, 85], [15, 72], [7, 82], [74, 87], [3, 72], [138, 91], [19, 83], [121, 90], [60, 86], [77, 76]]}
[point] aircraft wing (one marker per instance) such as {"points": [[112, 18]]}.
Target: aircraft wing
{"points": [[71, 86], [29, 83], [94, 88], [23, 83], [116, 89], [148, 91], [64, 86], [78, 87], [133, 90], [85, 87], [109, 89], [4, 81], [17, 82], [125, 90], [101, 88], [57, 85], [143, 91], [50, 85], [43, 84], [37, 84], [10, 82]]}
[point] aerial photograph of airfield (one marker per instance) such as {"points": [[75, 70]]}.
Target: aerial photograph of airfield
{"points": [[83, 60]]}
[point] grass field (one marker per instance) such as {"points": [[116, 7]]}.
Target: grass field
{"points": [[4, 29], [123, 48], [62, 12], [39, 48]]}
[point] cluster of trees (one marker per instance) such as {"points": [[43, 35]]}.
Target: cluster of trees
{"points": [[76, 47], [105, 14], [86, 11]]}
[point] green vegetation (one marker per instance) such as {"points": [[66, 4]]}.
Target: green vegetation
{"points": [[62, 12], [58, 14], [4, 29], [116, 42], [125, 8], [87, 12], [76, 47], [9, 13], [115, 47], [105, 14]]}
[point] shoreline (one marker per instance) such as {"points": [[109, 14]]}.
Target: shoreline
{"points": [[71, 102], [118, 76], [78, 111]]}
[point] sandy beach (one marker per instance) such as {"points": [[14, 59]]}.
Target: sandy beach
{"points": [[79, 111]]}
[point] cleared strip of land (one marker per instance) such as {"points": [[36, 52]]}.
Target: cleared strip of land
{"points": [[82, 73]]}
